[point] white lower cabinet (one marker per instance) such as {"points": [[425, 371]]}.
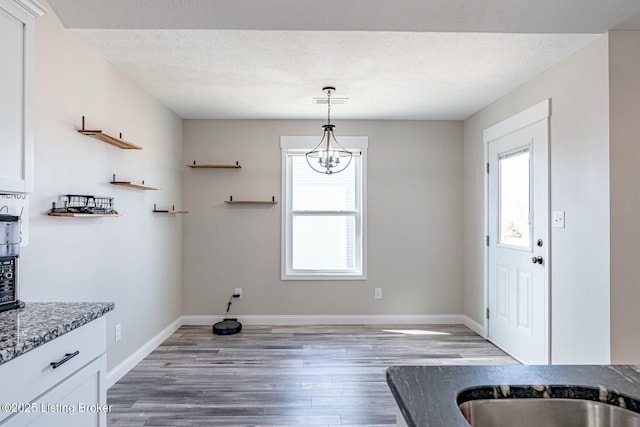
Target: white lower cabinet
{"points": [[73, 394]]}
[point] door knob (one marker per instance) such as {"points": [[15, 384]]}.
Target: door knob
{"points": [[537, 260]]}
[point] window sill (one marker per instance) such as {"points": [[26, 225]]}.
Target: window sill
{"points": [[323, 277]]}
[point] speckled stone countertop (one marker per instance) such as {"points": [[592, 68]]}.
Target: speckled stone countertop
{"points": [[428, 396], [37, 323]]}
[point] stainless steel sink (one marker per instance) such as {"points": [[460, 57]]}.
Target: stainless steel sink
{"points": [[539, 412]]}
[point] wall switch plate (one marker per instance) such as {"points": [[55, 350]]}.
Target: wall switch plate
{"points": [[378, 293], [118, 332], [238, 291], [557, 219]]}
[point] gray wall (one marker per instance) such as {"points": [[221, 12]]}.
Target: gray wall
{"points": [[414, 220], [579, 161], [134, 260], [624, 84]]}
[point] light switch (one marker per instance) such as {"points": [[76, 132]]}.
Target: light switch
{"points": [[557, 220]]}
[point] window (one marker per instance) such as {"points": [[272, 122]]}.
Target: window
{"points": [[324, 216], [514, 189]]}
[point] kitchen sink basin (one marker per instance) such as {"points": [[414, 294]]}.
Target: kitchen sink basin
{"points": [[546, 412]]}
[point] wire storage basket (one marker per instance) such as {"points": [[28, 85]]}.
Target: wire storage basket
{"points": [[76, 203]]}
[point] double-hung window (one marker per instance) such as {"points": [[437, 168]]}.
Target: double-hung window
{"points": [[324, 216]]}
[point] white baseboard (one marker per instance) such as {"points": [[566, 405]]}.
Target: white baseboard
{"points": [[436, 319], [476, 327], [114, 375]]}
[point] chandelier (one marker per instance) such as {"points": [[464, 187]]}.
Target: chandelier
{"points": [[329, 156]]}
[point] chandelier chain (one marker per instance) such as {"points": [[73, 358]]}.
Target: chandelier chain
{"points": [[329, 106]]}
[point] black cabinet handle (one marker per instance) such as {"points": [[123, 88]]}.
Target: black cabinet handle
{"points": [[65, 359]]}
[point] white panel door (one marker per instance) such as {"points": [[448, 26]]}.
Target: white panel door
{"points": [[517, 223]]}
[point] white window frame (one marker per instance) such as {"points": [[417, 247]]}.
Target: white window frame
{"points": [[304, 144]]}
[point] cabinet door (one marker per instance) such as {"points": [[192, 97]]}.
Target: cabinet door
{"points": [[79, 401], [16, 140]]}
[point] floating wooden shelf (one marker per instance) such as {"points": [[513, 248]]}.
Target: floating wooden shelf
{"points": [[101, 136], [230, 166], [134, 185], [172, 211], [251, 202], [81, 215], [140, 186], [120, 143]]}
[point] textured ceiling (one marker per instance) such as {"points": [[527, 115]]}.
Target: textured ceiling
{"points": [[276, 74], [415, 59]]}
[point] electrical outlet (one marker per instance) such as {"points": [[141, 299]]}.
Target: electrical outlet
{"points": [[238, 291], [118, 332], [378, 293]]}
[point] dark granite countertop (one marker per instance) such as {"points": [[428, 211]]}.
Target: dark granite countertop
{"points": [[37, 323], [427, 395]]}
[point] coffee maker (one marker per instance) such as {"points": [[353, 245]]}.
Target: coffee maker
{"points": [[9, 253]]}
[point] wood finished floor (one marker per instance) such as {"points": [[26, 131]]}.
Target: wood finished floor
{"points": [[285, 375]]}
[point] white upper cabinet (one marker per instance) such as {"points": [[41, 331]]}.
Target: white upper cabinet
{"points": [[16, 87]]}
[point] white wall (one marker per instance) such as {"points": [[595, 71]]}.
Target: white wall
{"points": [[579, 163], [414, 220], [624, 84], [134, 260]]}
